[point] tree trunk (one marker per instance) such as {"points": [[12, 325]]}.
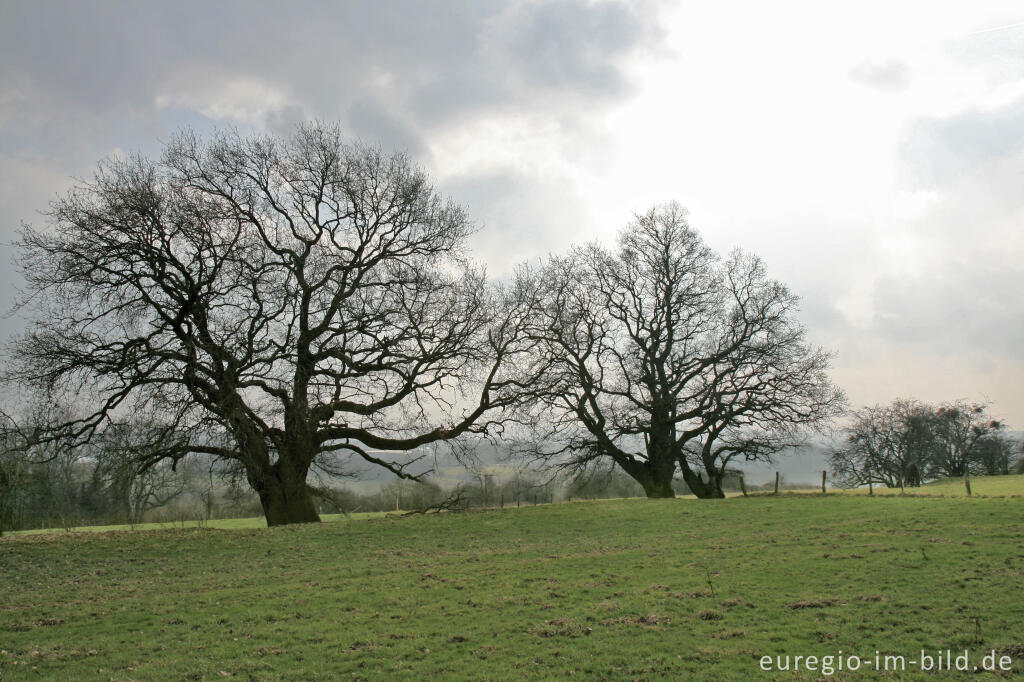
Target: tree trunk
{"points": [[654, 476], [705, 490], [658, 487], [285, 496], [655, 473]]}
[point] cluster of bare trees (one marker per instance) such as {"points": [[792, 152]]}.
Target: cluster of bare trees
{"points": [[282, 304], [909, 442]]}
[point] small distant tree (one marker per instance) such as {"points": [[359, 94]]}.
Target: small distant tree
{"points": [[885, 445], [13, 468], [410, 495], [993, 454], [966, 439], [40, 481], [130, 472], [907, 442], [602, 482]]}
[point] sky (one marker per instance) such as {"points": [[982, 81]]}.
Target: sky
{"points": [[871, 152]]}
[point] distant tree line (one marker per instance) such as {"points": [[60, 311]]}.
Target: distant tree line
{"points": [[97, 485], [907, 443]]}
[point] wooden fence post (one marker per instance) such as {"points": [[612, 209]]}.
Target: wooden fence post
{"points": [[776, 482], [822, 482]]}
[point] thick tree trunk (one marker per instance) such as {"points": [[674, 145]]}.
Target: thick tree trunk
{"points": [[655, 477], [705, 490], [658, 487], [285, 496]]}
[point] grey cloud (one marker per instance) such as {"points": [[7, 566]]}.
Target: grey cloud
{"points": [[822, 316], [887, 76], [569, 45], [80, 79], [440, 59], [374, 123], [521, 216], [956, 309], [941, 150], [968, 302]]}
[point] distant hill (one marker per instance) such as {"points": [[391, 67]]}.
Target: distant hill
{"points": [[798, 465], [795, 465]]}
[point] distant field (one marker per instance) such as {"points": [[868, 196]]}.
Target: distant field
{"points": [[992, 486], [985, 486], [682, 589]]}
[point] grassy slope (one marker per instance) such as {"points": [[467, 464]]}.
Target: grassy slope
{"points": [[984, 486], [608, 589]]}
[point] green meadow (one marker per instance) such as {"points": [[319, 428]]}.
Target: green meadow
{"points": [[614, 589]]}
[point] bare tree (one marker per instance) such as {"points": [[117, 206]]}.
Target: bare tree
{"points": [[39, 477], [662, 356], [13, 466], [129, 466], [274, 301], [993, 452], [888, 445], [967, 439], [908, 442]]}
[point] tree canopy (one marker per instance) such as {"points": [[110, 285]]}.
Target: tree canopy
{"points": [[272, 301], [664, 357], [908, 442]]}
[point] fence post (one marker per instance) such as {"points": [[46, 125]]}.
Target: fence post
{"points": [[776, 482], [822, 482]]}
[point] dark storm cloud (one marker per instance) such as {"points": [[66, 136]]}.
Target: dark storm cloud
{"points": [[567, 45], [79, 80], [427, 63]]}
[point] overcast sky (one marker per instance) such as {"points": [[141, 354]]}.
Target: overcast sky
{"points": [[873, 154]]}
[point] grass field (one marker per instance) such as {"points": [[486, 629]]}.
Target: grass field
{"points": [[218, 524], [625, 589]]}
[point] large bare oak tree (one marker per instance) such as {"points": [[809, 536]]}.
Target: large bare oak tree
{"points": [[276, 301], [666, 358]]}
